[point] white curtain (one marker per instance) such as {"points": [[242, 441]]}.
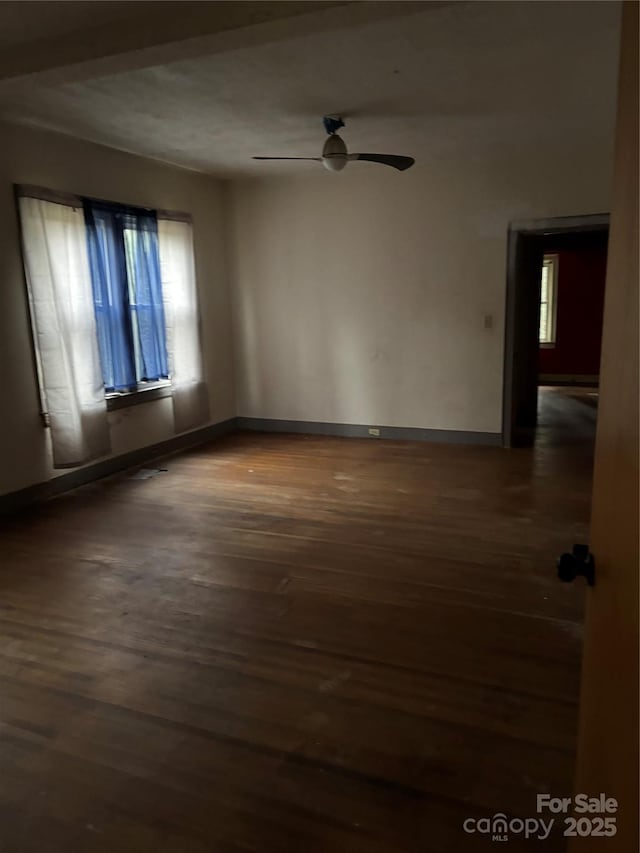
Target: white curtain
{"points": [[61, 297], [177, 269]]}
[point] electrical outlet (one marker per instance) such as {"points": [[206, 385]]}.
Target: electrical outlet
{"points": [[374, 431]]}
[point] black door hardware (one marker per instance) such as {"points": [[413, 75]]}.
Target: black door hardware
{"points": [[579, 562]]}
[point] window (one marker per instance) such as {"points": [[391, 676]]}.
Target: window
{"points": [[124, 261], [113, 303], [548, 300]]}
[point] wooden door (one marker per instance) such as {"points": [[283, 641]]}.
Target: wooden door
{"points": [[608, 736]]}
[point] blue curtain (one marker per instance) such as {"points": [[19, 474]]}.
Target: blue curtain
{"points": [[127, 293]]}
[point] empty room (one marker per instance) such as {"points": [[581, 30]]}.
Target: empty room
{"points": [[319, 433]]}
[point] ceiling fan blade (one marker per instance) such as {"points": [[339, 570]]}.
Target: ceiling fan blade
{"points": [[287, 158], [394, 160]]}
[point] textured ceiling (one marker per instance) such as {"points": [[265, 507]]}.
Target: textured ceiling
{"points": [[444, 78], [26, 21]]}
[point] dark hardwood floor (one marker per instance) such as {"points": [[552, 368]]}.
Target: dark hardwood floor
{"points": [[292, 644]]}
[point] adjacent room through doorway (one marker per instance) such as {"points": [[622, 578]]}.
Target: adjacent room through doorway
{"points": [[572, 283], [555, 282]]}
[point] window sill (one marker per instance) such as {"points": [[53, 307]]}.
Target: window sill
{"points": [[135, 398], [548, 345]]}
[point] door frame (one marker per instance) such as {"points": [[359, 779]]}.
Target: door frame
{"points": [[515, 297]]}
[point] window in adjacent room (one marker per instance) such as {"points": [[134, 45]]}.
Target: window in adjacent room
{"points": [[548, 301]]}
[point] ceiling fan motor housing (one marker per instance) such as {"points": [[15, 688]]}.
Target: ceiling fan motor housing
{"points": [[334, 153]]}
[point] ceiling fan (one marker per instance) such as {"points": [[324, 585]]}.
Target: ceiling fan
{"points": [[335, 155]]}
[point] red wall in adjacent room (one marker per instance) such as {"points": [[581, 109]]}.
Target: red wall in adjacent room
{"points": [[581, 279]]}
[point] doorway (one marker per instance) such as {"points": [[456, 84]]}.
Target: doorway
{"points": [[553, 326]]}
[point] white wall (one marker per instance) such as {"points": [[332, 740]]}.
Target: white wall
{"points": [[361, 297], [61, 163]]}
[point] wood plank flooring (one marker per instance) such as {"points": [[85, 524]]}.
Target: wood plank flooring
{"points": [[293, 644]]}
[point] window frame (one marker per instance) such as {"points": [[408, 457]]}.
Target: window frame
{"points": [[142, 385], [551, 262], [145, 392]]}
